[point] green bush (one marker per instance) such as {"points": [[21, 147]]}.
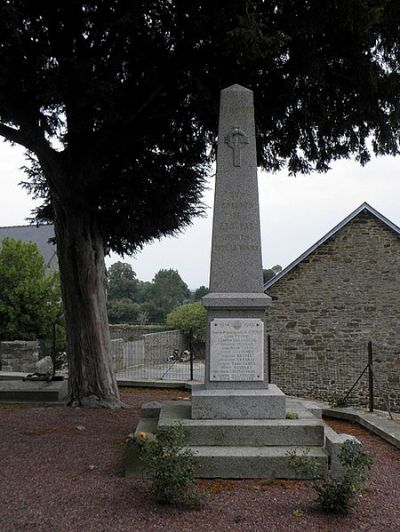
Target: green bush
{"points": [[122, 310], [337, 495], [30, 296], [192, 316], [171, 467], [341, 495]]}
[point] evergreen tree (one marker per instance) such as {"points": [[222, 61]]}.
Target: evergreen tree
{"points": [[117, 102]]}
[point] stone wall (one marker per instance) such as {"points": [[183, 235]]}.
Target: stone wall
{"points": [[159, 346], [117, 354], [19, 356], [330, 305], [131, 333]]}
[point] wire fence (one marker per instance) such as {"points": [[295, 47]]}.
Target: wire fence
{"points": [[161, 356], [342, 373], [350, 372]]}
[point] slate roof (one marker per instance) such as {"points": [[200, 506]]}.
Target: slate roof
{"points": [[40, 235], [363, 207]]}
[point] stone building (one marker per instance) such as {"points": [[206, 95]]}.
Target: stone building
{"points": [[329, 303]]}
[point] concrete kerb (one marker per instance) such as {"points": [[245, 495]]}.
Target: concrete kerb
{"points": [[387, 429], [376, 422]]}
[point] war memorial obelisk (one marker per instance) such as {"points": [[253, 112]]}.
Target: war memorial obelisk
{"points": [[235, 422], [236, 383]]}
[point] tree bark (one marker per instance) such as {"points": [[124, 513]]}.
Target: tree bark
{"points": [[81, 261]]}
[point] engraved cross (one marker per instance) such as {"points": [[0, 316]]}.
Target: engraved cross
{"points": [[236, 140]]}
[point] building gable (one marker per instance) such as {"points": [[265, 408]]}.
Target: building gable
{"points": [[363, 208], [328, 306]]}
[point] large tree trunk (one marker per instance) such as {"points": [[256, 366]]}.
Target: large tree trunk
{"points": [[82, 269]]}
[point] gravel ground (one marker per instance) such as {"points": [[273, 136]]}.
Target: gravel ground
{"points": [[61, 469]]}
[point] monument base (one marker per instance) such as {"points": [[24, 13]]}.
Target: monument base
{"points": [[238, 448], [264, 403]]}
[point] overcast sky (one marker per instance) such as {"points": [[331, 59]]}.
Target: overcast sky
{"points": [[295, 213]]}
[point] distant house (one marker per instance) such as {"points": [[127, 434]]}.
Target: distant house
{"points": [[41, 235], [341, 293]]}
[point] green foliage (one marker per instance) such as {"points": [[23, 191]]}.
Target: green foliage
{"points": [[269, 273], [131, 300], [144, 291], [122, 282], [30, 300], [123, 311], [341, 495], [130, 93], [200, 292], [337, 494], [292, 415], [303, 464], [192, 316], [171, 467], [166, 292]]}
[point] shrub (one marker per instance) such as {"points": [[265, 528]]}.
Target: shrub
{"points": [[192, 316], [338, 495], [341, 495], [171, 467]]}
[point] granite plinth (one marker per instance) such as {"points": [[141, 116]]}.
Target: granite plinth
{"points": [[265, 403], [255, 462], [242, 432], [237, 448]]}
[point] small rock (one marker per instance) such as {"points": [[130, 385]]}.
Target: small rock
{"points": [[91, 467], [80, 428]]}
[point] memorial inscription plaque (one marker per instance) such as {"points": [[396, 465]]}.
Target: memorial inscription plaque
{"points": [[237, 348]]}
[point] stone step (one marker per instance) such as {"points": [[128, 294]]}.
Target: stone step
{"points": [[134, 466], [224, 403], [243, 432], [146, 425], [255, 462], [33, 391]]}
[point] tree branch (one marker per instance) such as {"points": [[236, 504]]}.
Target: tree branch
{"points": [[48, 158], [13, 135], [109, 135]]}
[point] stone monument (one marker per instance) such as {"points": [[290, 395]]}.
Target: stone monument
{"points": [[236, 383], [236, 422]]}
